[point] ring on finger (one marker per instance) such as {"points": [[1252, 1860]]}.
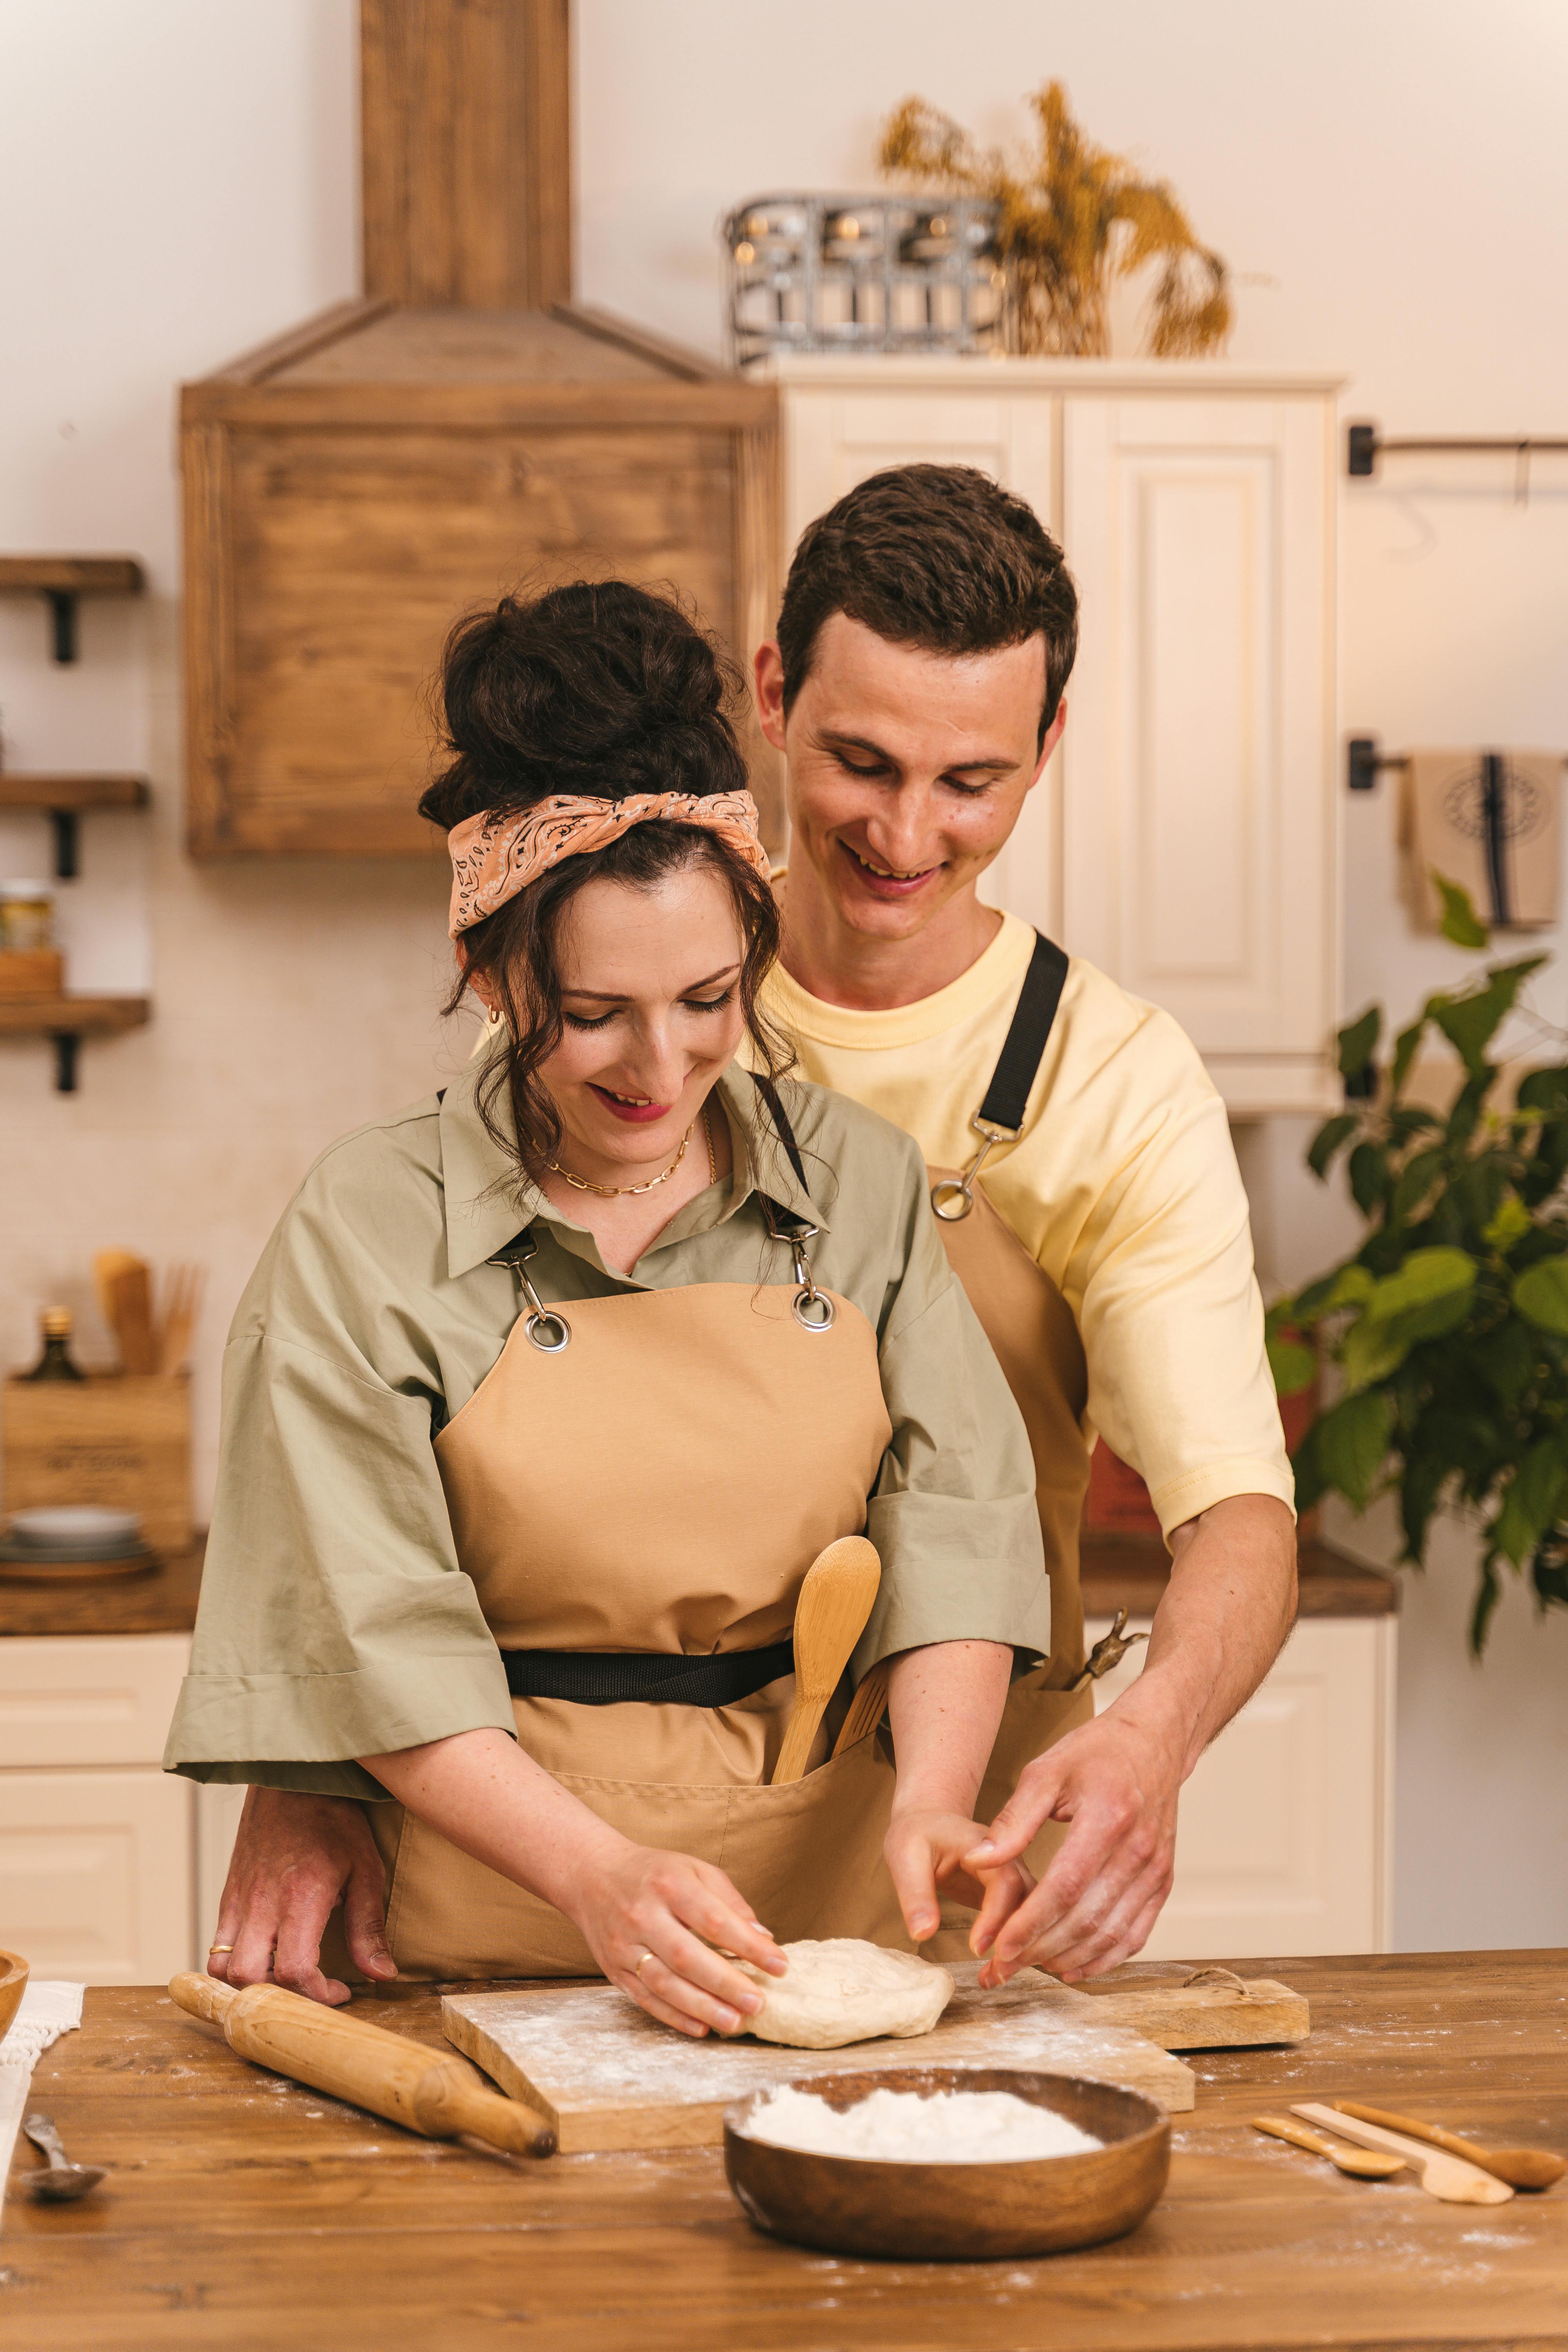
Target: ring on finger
{"points": [[641, 1965], [218, 1948]]}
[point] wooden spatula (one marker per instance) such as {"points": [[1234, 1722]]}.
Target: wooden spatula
{"points": [[125, 1293], [1522, 2168], [829, 1618], [867, 1708], [1447, 2177]]}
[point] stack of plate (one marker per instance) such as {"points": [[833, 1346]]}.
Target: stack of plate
{"points": [[53, 1541]]}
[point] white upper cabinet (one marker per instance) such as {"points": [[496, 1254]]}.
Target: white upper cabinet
{"points": [[1185, 838]]}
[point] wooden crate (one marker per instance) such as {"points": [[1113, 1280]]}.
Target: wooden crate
{"points": [[122, 1439], [354, 487]]}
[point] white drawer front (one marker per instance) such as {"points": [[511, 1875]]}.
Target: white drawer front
{"points": [[96, 1880], [89, 1698]]}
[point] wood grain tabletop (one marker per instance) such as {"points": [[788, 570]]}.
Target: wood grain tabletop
{"points": [[248, 2213]]}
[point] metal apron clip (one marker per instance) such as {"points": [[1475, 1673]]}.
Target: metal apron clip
{"points": [[546, 1327], [953, 1198], [811, 1308]]}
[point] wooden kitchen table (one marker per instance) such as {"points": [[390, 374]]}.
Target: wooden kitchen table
{"points": [[246, 2212]]}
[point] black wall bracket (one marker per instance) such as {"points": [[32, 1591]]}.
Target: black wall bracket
{"points": [[1364, 761]]}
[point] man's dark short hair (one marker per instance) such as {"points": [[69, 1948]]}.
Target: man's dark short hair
{"points": [[939, 556]]}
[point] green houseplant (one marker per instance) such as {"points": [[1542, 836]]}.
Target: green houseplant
{"points": [[1449, 1325]]}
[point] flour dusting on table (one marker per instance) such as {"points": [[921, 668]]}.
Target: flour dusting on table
{"points": [[905, 2128]]}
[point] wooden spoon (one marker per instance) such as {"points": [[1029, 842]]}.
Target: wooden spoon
{"points": [[867, 1708], [829, 1618], [1448, 2177], [1522, 2168], [1360, 2165]]}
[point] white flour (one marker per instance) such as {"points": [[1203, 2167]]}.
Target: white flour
{"points": [[902, 2127]]}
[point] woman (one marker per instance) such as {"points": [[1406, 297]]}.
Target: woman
{"points": [[548, 1391]]}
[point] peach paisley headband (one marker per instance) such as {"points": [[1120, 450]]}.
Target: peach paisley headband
{"points": [[494, 857]]}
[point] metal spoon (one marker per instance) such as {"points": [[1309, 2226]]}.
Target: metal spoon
{"points": [[63, 2183]]}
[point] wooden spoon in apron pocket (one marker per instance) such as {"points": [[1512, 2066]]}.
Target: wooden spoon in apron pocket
{"points": [[829, 1618]]}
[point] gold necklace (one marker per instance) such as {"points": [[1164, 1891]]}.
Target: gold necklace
{"points": [[618, 1192]]}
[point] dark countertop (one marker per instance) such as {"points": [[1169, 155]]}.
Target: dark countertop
{"points": [[1119, 1572], [246, 2212]]}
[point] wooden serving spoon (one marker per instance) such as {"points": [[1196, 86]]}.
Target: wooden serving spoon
{"points": [[1359, 2165], [829, 1618], [1450, 2178], [1522, 2168]]}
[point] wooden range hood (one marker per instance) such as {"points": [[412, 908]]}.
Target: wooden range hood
{"points": [[354, 485]]}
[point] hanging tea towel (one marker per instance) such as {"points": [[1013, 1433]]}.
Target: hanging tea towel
{"points": [[1491, 821], [46, 2011]]}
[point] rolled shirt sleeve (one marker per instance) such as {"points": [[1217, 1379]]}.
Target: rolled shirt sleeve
{"points": [[335, 1620]]}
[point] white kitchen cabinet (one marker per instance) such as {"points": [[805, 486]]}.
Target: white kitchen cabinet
{"points": [[1284, 1833], [1185, 836], [97, 1842]]}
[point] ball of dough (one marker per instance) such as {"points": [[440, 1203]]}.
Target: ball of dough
{"points": [[846, 1989]]}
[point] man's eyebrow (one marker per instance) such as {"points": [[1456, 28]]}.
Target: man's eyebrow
{"points": [[837, 741], [609, 996]]}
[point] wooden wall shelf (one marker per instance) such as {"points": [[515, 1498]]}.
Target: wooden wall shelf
{"points": [[61, 579], [68, 1020], [62, 800]]}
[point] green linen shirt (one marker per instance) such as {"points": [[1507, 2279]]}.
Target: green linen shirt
{"points": [[335, 1620]]}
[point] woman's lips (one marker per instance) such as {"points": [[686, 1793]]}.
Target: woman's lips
{"points": [[635, 1113]]}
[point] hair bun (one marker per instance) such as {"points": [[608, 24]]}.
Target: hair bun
{"points": [[598, 688]]}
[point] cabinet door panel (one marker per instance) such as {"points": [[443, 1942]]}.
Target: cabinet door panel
{"points": [[1282, 1841], [95, 1873], [1199, 821], [89, 1699]]}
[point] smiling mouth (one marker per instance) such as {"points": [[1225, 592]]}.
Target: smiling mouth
{"points": [[628, 1106], [885, 874]]}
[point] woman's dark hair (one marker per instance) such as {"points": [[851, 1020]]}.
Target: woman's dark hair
{"points": [[603, 688], [939, 556]]}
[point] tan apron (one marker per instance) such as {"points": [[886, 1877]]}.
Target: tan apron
{"points": [[1035, 1340], [660, 1485]]}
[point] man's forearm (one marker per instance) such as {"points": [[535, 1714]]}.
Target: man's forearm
{"points": [[1230, 1603]]}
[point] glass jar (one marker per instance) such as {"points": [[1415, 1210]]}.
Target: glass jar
{"points": [[27, 915]]}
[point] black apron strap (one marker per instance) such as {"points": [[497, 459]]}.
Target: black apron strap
{"points": [[1033, 1017], [781, 1128], [613, 1677]]}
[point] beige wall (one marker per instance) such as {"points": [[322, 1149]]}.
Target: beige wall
{"points": [[178, 182]]}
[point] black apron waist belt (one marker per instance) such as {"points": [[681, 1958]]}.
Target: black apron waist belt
{"points": [[613, 1677]]}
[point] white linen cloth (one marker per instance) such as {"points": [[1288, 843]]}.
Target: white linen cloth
{"points": [[47, 2010]]}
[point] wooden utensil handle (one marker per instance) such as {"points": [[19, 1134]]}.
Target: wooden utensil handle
{"points": [[350, 2059], [867, 1708], [1418, 2130], [1303, 2136]]}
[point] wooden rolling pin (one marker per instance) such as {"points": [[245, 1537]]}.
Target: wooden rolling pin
{"points": [[404, 2081]]}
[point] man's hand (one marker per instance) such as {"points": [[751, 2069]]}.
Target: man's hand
{"points": [[1117, 1784], [1230, 1604], [294, 1857]]}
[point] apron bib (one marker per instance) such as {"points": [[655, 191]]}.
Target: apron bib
{"points": [[660, 1484]]}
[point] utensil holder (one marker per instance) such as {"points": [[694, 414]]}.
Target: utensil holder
{"points": [[121, 1439]]}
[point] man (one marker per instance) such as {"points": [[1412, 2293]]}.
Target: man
{"points": [[927, 632]]}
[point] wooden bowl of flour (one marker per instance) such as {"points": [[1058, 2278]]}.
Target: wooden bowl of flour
{"points": [[958, 2211]]}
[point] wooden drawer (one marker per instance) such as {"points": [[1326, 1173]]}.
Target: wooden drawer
{"points": [[82, 1699], [96, 1874]]}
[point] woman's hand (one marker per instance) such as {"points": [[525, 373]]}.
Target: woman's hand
{"points": [[641, 1900], [924, 1851], [295, 1858]]}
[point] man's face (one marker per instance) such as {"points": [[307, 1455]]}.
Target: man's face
{"points": [[907, 768]]}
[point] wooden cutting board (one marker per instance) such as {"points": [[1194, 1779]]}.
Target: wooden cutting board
{"points": [[609, 2076]]}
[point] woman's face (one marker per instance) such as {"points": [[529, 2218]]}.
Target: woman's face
{"points": [[650, 992]]}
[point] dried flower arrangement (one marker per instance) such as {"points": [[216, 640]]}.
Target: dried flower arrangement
{"points": [[1069, 223]]}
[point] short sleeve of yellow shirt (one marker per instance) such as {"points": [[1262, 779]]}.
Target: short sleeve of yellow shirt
{"points": [[1122, 1186]]}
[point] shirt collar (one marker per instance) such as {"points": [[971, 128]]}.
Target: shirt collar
{"points": [[488, 1199]]}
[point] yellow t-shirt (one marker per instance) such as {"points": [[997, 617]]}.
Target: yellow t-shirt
{"points": [[1122, 1186]]}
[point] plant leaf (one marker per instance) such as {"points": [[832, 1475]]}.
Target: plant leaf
{"points": [[1351, 1286], [1510, 1222], [1405, 1049], [1416, 1178], [1370, 1351], [1351, 1444], [1370, 1176], [1428, 1278], [1540, 1295], [1326, 1142], [1358, 1041], [1488, 1595], [1530, 1501], [1460, 921], [1293, 1366], [1470, 1021]]}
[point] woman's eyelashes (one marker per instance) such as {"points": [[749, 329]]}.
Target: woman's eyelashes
{"points": [[692, 1004]]}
